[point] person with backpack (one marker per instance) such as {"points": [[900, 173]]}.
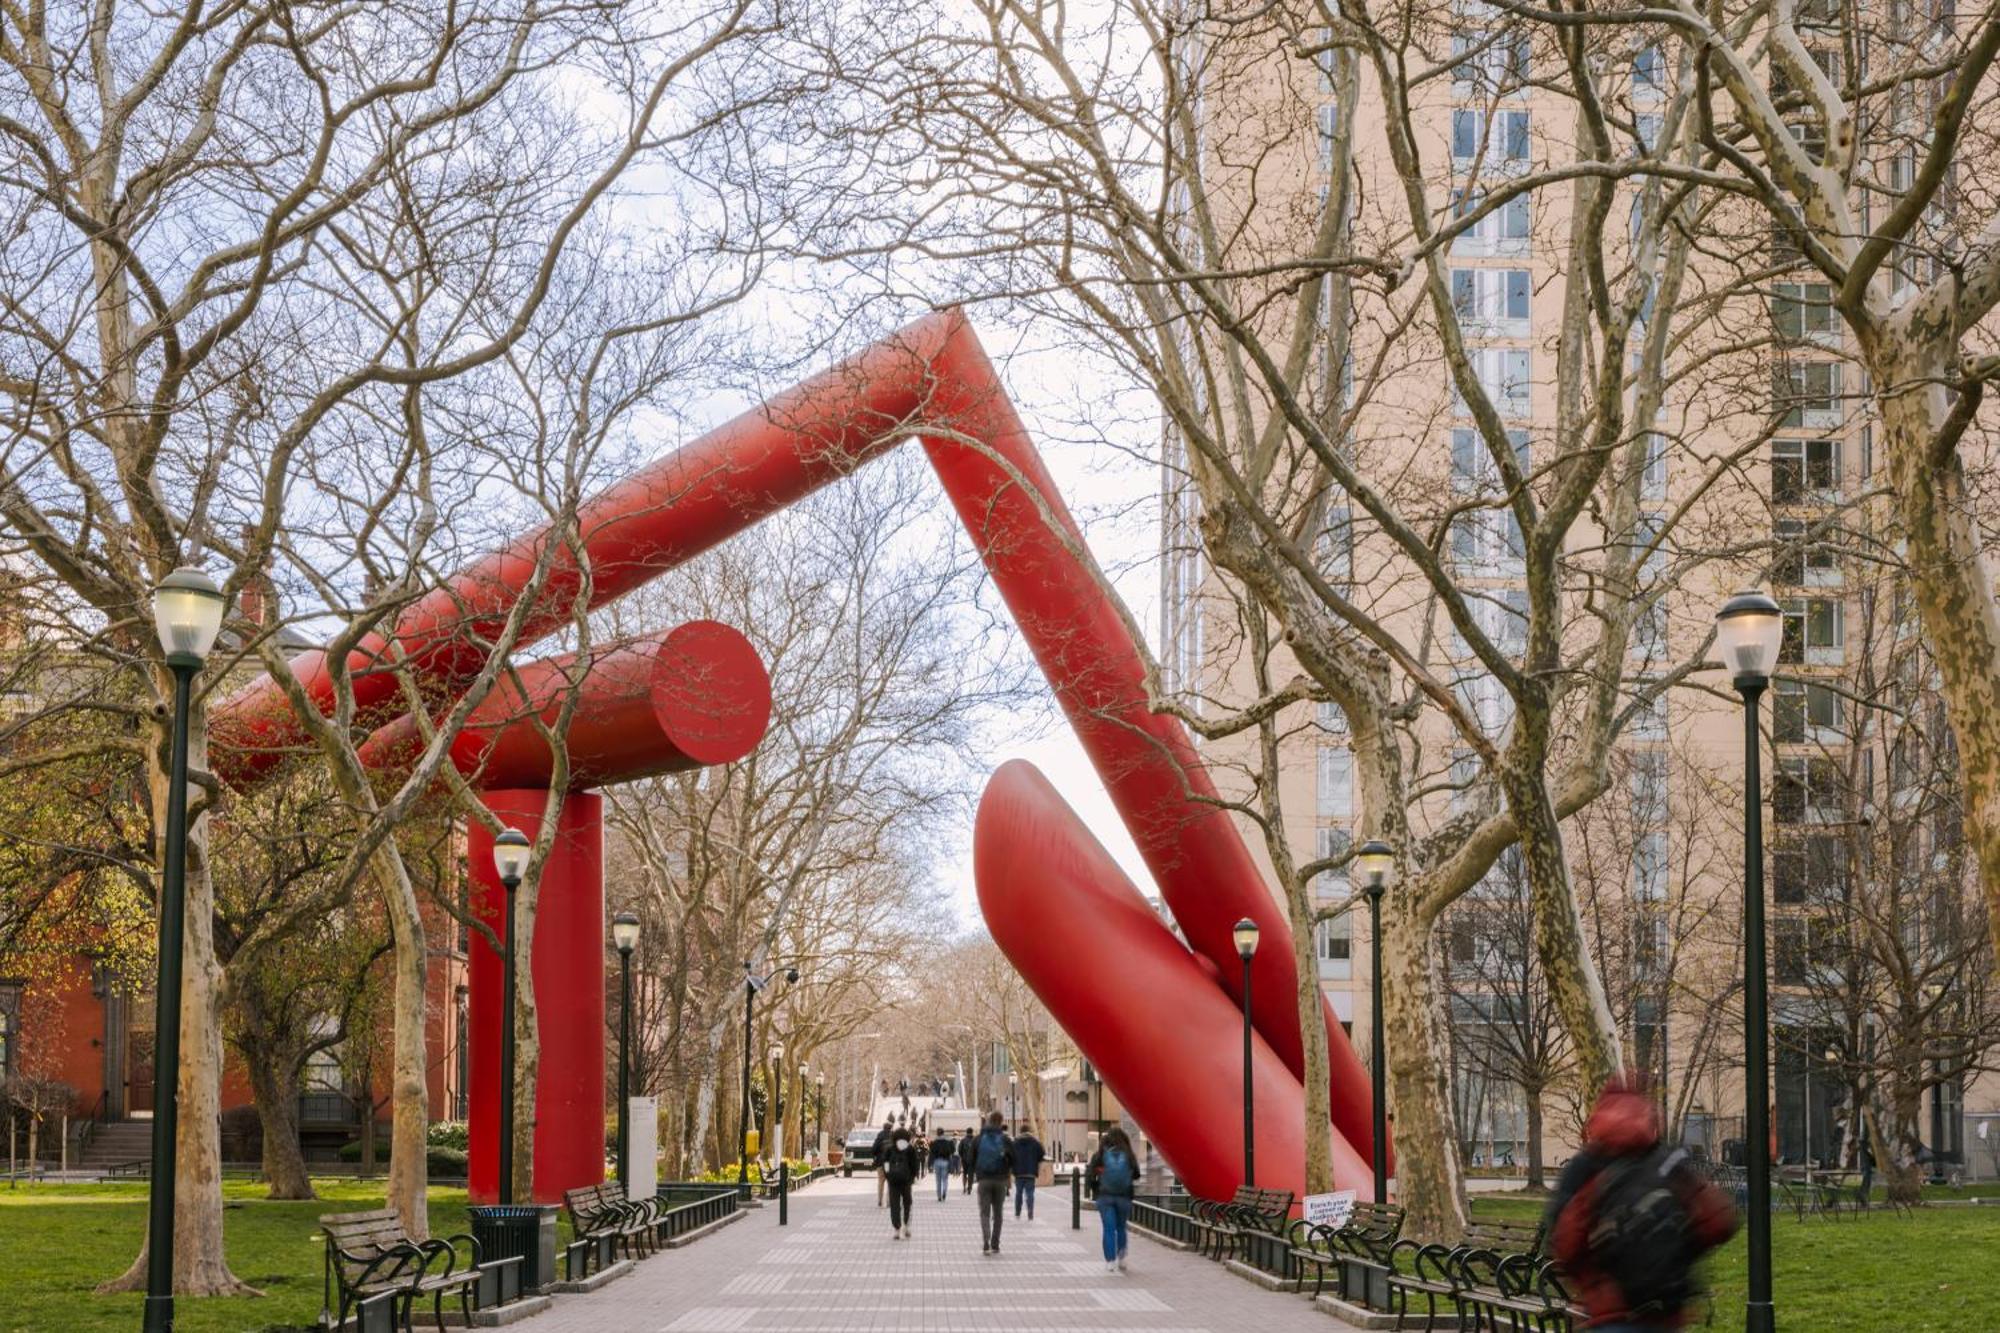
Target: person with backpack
{"points": [[881, 1150], [1028, 1155], [1111, 1176], [944, 1156], [900, 1165], [993, 1163], [966, 1147], [1630, 1216]]}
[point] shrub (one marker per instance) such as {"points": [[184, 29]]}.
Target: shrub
{"points": [[448, 1134]]}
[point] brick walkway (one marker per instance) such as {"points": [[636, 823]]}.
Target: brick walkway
{"points": [[836, 1269]]}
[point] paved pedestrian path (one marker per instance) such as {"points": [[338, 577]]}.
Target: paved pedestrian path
{"points": [[836, 1269]]}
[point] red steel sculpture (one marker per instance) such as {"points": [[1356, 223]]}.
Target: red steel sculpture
{"points": [[1153, 1019]]}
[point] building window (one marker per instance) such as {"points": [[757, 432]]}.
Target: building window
{"points": [[1804, 310], [1804, 711], [1331, 844], [1653, 480], [1333, 941], [1491, 299], [1504, 232], [1804, 470], [1807, 393], [1500, 141], [1502, 616], [1649, 788], [1806, 791], [1336, 782], [1473, 471], [1649, 631], [1331, 717], [1647, 126], [1489, 62], [1809, 869], [1464, 780], [1334, 552], [1328, 120], [1649, 70], [10, 1028], [1815, 631], [1487, 701], [1487, 543], [1503, 374], [1649, 867], [1802, 561], [1650, 950], [1788, 951], [1649, 716]]}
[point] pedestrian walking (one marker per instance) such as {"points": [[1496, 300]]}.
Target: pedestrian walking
{"points": [[881, 1151], [899, 1168], [1631, 1215], [993, 1163], [1111, 1174], [965, 1150], [1028, 1155], [944, 1156]]}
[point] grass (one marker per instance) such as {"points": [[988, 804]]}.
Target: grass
{"points": [[1931, 1271], [57, 1242]]}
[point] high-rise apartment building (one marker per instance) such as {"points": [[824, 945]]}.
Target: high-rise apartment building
{"points": [[1748, 458]]}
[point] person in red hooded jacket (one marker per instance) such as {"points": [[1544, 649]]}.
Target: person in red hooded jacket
{"points": [[1630, 1217]]}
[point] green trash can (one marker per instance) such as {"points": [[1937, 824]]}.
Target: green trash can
{"points": [[524, 1231]]}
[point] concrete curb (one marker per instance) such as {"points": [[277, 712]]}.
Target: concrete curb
{"points": [[1268, 1281], [1353, 1315], [690, 1237], [602, 1277]]}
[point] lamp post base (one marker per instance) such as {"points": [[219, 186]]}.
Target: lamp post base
{"points": [[159, 1316], [1759, 1317]]}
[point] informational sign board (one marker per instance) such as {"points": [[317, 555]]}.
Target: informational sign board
{"points": [[1330, 1210], [642, 1124]]}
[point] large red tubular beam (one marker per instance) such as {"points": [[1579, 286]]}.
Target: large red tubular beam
{"points": [[1153, 1022], [931, 379], [693, 696]]}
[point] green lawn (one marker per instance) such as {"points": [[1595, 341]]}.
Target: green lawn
{"points": [[59, 1241], [1934, 1269]]}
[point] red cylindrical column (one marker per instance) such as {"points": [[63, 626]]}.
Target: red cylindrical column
{"points": [[568, 953]]}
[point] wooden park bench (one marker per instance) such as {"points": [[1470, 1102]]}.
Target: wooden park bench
{"points": [[1358, 1248], [602, 1216], [369, 1256], [1223, 1225]]}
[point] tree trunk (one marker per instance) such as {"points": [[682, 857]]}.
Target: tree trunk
{"points": [[364, 1106], [274, 1086], [1429, 1182], [201, 1268], [1947, 557], [409, 1098], [1904, 1174], [1537, 1174], [1312, 1029], [1573, 982]]}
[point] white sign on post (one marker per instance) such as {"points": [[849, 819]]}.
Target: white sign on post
{"points": [[1330, 1210], [642, 1128]]}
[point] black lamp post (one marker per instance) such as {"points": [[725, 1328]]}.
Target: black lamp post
{"points": [[1375, 860], [187, 614], [819, 1107], [510, 859], [752, 983], [1749, 630], [803, 1072], [625, 935], [1937, 1177], [1245, 932]]}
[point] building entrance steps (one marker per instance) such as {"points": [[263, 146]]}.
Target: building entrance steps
{"points": [[837, 1269]]}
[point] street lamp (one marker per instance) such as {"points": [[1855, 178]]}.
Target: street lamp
{"points": [[1013, 1093], [819, 1107], [1375, 860], [187, 614], [1245, 932], [1749, 630], [778, 1101], [624, 935], [752, 983], [1936, 991], [510, 859]]}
